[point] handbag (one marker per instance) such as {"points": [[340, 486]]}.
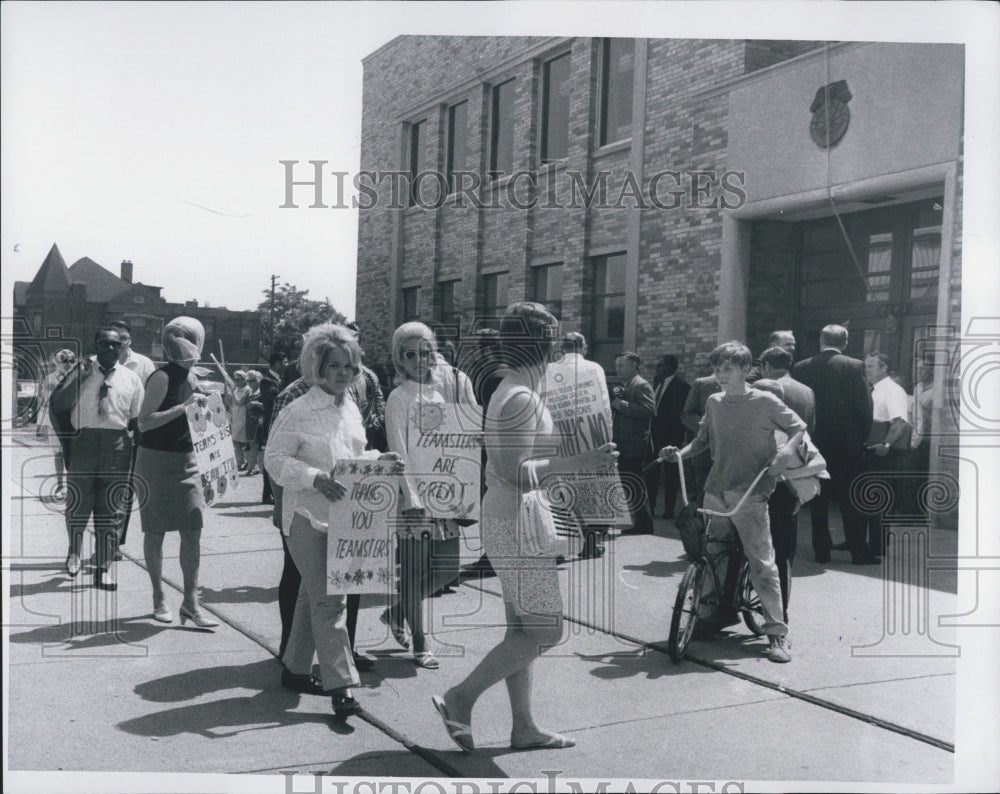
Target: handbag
{"points": [[536, 526]]}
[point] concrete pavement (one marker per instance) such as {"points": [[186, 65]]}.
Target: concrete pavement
{"points": [[95, 684]]}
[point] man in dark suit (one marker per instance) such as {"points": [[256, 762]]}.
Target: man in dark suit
{"points": [[843, 422], [694, 409], [631, 410], [670, 392], [270, 387], [774, 365]]}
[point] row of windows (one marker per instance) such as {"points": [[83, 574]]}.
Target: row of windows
{"points": [[617, 62], [545, 285]]}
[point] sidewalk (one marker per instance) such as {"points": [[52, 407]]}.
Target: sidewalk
{"points": [[96, 684]]}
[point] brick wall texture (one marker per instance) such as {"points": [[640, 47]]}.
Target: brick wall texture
{"points": [[678, 250]]}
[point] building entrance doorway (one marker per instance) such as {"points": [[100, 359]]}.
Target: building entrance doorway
{"points": [[880, 280]]}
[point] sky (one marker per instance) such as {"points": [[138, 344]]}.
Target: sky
{"points": [[154, 132]]}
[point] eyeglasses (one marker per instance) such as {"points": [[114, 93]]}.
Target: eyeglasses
{"points": [[107, 344], [410, 355]]}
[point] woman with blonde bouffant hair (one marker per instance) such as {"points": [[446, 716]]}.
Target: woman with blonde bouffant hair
{"points": [[422, 377], [307, 439]]}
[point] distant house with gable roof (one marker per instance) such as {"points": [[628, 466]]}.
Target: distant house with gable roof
{"points": [[65, 306]]}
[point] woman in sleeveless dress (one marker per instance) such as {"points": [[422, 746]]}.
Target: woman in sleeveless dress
{"points": [[166, 473], [519, 436]]}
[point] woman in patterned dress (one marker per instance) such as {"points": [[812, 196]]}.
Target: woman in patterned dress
{"points": [[519, 436]]}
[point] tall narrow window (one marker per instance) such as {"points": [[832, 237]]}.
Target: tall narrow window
{"points": [[457, 142], [555, 109], [446, 313], [411, 301], [607, 308], [617, 71], [418, 158], [502, 130], [546, 287], [493, 299]]}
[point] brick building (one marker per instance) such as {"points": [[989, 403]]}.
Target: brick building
{"points": [[65, 306], [664, 194]]}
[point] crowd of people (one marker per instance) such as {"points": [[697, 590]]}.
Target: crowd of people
{"points": [[122, 429]]}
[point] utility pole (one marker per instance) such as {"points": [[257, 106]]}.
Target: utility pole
{"points": [[274, 281]]}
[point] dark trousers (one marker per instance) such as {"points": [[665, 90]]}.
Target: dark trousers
{"points": [[701, 465], [634, 483], [784, 522], [667, 472], [97, 484], [843, 470], [288, 593], [267, 495], [129, 497], [896, 488]]}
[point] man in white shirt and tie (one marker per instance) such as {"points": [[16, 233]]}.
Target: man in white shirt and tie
{"points": [[102, 398]]}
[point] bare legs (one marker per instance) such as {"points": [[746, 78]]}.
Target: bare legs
{"points": [[190, 559], [510, 661]]}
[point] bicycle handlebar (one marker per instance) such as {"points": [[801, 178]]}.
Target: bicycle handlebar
{"points": [[739, 504]]}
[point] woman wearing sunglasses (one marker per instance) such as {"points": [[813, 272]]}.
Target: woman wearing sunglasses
{"points": [[423, 377], [166, 472]]}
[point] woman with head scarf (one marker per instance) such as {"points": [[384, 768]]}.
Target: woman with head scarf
{"points": [[423, 377], [167, 469], [308, 437], [519, 433]]}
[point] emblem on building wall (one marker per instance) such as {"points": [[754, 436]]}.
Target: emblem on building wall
{"points": [[830, 114]]}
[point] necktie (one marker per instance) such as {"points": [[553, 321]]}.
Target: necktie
{"points": [[103, 403]]}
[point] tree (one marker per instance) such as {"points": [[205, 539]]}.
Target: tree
{"points": [[294, 314]]}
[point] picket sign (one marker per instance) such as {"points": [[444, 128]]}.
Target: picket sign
{"points": [[359, 556], [576, 396], [444, 458], [212, 439]]}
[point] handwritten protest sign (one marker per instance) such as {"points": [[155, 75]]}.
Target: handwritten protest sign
{"points": [[213, 447], [359, 555], [577, 398], [443, 459]]}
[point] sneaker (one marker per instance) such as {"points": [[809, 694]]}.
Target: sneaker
{"points": [[778, 651]]}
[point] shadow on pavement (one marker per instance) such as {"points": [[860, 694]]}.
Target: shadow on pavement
{"points": [[247, 514], [88, 635], [651, 664], [270, 707], [245, 594], [659, 568], [53, 584]]}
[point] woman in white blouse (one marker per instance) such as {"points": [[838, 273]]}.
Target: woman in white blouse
{"points": [[306, 440], [423, 377]]}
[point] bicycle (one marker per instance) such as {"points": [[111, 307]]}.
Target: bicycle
{"points": [[745, 600]]}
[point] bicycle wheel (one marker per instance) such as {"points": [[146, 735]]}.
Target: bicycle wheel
{"points": [[749, 602], [685, 615]]}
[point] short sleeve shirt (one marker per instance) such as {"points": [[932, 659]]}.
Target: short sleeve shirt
{"points": [[889, 401]]}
